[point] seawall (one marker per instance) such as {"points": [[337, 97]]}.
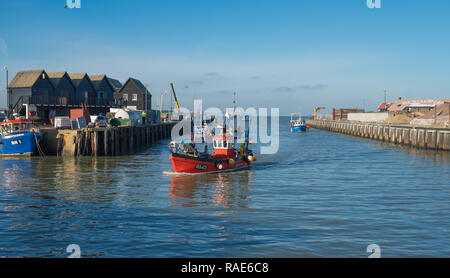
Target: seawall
{"points": [[124, 140], [416, 137]]}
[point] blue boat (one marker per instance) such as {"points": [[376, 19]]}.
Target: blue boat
{"points": [[18, 138], [298, 124]]}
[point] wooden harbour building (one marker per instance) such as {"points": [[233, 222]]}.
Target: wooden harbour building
{"points": [[46, 95], [134, 95]]}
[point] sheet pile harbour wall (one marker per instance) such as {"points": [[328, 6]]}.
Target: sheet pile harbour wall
{"points": [[416, 137]]}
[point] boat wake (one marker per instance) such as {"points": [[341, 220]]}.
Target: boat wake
{"points": [[172, 173]]}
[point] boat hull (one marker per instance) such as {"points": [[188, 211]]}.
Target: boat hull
{"points": [[20, 144], [195, 165], [296, 129]]}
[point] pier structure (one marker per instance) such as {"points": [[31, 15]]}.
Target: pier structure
{"points": [[416, 137], [114, 141]]}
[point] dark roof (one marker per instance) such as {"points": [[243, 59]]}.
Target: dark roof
{"points": [[138, 84], [56, 77], [97, 80], [25, 79], [115, 83], [77, 77]]}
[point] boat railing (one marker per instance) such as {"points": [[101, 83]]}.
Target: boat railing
{"points": [[17, 127]]}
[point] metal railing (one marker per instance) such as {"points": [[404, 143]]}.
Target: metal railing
{"points": [[68, 101], [16, 108]]}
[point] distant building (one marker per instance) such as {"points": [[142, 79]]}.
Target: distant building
{"points": [[33, 88], [384, 106], [440, 116], [46, 95], [340, 114], [415, 105], [133, 95], [105, 90]]}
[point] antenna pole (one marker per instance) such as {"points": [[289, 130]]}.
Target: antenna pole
{"points": [[7, 91], [234, 102]]}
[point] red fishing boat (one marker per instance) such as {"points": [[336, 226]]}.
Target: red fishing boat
{"points": [[187, 159]]}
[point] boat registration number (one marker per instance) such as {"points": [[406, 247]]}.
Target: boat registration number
{"points": [[201, 167], [16, 142]]}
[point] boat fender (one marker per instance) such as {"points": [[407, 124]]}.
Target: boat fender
{"points": [[231, 161], [308, 127], [172, 144], [220, 166], [250, 158]]}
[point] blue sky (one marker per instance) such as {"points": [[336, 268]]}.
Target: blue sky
{"points": [[272, 53]]}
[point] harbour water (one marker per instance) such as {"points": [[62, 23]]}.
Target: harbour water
{"points": [[322, 195]]}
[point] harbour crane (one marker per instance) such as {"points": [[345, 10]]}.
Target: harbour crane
{"points": [[316, 110], [175, 97]]}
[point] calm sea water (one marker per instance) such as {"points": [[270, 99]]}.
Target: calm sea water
{"points": [[321, 195]]}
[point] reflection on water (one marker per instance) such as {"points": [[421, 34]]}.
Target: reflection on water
{"points": [[322, 194], [223, 189]]}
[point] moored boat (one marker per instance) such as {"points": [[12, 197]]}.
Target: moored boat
{"points": [[18, 138]]}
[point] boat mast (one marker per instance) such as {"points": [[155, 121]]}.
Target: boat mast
{"points": [[234, 120], [299, 112]]}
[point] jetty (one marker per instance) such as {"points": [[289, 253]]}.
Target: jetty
{"points": [[113, 141], [430, 138]]}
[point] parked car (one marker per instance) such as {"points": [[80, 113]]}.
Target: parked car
{"points": [[101, 121]]}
